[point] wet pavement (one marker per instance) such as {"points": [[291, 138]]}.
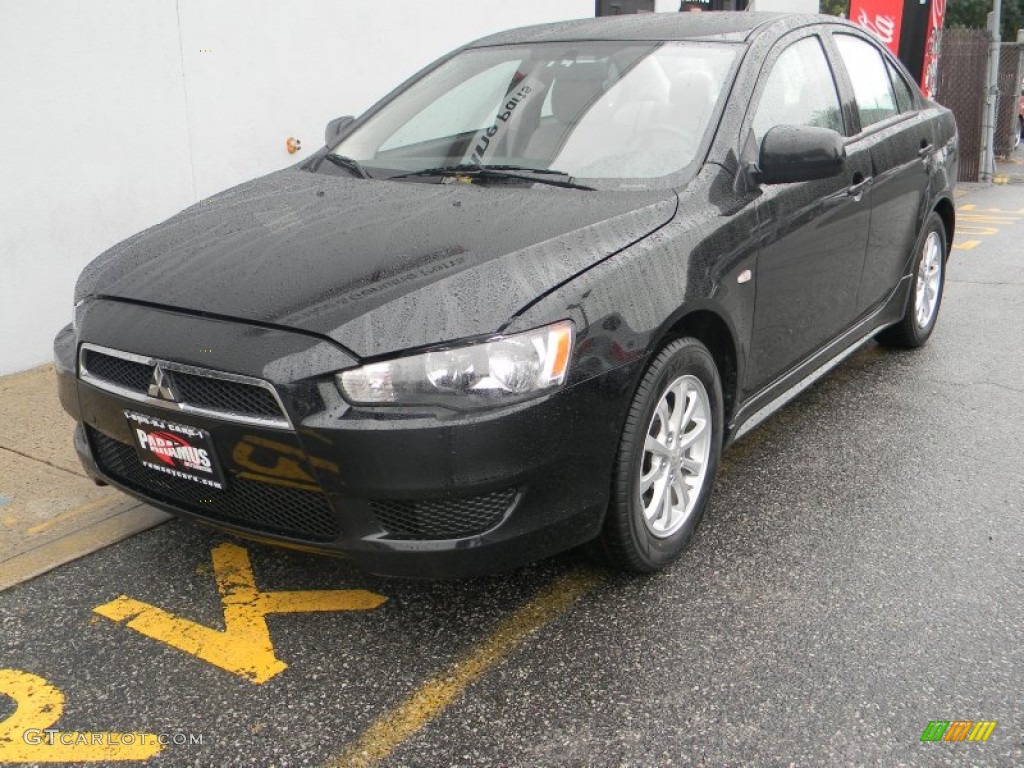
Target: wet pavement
{"points": [[860, 573]]}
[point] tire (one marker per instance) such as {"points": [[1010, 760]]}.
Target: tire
{"points": [[929, 280], [639, 534]]}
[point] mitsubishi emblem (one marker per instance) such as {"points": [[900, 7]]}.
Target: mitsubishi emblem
{"points": [[160, 386]]}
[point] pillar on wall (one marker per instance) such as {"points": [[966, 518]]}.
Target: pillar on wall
{"points": [[713, 5], [619, 7]]}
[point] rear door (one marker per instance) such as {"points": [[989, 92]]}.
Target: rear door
{"points": [[891, 124], [812, 235]]}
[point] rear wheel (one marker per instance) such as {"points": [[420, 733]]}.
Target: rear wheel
{"points": [[667, 459], [929, 277]]}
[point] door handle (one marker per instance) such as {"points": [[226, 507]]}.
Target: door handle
{"points": [[860, 184], [926, 148]]}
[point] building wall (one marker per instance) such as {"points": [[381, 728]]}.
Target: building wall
{"points": [[120, 113]]}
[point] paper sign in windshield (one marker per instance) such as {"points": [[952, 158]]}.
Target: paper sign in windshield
{"points": [[488, 139]]}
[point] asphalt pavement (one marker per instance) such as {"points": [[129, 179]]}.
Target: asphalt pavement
{"points": [[860, 574]]}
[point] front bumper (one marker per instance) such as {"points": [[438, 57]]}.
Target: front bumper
{"points": [[413, 494]]}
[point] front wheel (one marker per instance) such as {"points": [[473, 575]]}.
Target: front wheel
{"points": [[929, 278], [667, 459]]}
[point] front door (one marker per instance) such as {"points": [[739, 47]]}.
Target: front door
{"points": [[812, 235]]}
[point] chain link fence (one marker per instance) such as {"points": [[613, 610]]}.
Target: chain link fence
{"points": [[963, 66], [1010, 60]]}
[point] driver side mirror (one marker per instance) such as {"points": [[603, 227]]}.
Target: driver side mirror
{"points": [[337, 127], [799, 153]]}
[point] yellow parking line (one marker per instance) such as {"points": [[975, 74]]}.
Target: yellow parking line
{"points": [[28, 736], [91, 506], [978, 222], [244, 646], [987, 218], [974, 213], [966, 245], [969, 229], [975, 209], [431, 699]]}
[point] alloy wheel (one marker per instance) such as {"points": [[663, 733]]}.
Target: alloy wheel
{"points": [[674, 461], [929, 278]]}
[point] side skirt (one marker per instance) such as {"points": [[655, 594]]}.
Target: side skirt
{"points": [[774, 397]]}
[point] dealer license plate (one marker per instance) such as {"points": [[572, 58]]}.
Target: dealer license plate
{"points": [[177, 450]]}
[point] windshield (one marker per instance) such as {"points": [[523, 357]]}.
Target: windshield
{"points": [[593, 110]]}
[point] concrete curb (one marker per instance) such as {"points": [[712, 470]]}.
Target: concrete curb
{"points": [[121, 524], [50, 512]]}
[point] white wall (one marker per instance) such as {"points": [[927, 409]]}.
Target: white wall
{"points": [[93, 147], [119, 113]]}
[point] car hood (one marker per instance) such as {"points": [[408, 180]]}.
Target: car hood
{"points": [[377, 266]]}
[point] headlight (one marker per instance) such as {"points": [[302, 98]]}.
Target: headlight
{"points": [[496, 372]]}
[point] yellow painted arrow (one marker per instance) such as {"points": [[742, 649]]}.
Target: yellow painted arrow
{"points": [[244, 646], [28, 735]]}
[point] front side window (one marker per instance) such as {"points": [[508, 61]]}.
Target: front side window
{"points": [[799, 91], [595, 110], [872, 88]]}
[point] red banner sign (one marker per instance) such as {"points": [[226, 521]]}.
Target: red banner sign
{"points": [[929, 74], [883, 17]]}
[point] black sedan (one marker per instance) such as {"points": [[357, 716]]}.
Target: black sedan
{"points": [[524, 301]]}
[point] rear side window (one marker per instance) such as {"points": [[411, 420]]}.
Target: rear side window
{"points": [[799, 91], [904, 98], [872, 88]]}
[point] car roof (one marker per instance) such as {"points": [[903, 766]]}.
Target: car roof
{"points": [[735, 26]]}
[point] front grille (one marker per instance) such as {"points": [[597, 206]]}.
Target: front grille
{"points": [[449, 518], [274, 509], [221, 395], [125, 373], [227, 395]]}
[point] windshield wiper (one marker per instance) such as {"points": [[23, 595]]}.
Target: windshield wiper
{"points": [[551, 171], [348, 164], [539, 175]]}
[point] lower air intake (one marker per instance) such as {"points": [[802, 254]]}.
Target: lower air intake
{"points": [[449, 518], [275, 509]]}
